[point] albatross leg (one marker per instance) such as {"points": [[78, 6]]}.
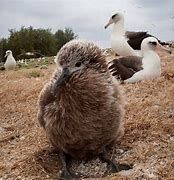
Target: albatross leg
{"points": [[65, 173], [115, 167]]}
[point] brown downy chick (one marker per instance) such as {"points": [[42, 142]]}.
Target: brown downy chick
{"points": [[81, 108]]}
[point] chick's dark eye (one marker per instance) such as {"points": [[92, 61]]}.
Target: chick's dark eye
{"points": [[153, 43], [78, 64]]}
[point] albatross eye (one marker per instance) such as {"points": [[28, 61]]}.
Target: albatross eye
{"points": [[78, 64], [153, 43], [114, 16]]}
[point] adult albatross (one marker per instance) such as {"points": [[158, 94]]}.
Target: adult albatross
{"points": [[125, 43], [10, 63], [131, 69]]}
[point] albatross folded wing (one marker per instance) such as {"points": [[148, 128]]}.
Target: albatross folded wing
{"points": [[125, 67]]}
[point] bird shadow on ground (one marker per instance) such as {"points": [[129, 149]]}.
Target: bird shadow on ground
{"points": [[49, 161]]}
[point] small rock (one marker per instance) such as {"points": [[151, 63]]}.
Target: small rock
{"points": [[172, 138], [47, 176], [22, 138], [120, 151], [44, 67], [126, 173], [2, 129], [97, 168]]}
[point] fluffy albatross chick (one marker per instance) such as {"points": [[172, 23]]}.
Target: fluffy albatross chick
{"points": [[81, 108], [131, 69]]}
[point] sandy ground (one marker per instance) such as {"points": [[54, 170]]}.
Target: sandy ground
{"points": [[148, 143]]}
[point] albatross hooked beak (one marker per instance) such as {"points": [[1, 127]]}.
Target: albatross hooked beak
{"points": [[109, 23], [159, 46], [5, 55], [65, 75]]}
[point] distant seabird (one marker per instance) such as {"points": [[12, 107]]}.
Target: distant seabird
{"points": [[131, 69], [125, 43], [10, 63], [81, 108]]}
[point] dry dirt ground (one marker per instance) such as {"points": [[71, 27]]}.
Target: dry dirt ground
{"points": [[148, 143]]}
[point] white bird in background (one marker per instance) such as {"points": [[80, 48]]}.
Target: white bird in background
{"points": [[126, 43], [26, 64], [131, 69], [55, 59], [10, 63]]}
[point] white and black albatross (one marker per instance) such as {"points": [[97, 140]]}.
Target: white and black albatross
{"points": [[126, 43], [131, 69]]}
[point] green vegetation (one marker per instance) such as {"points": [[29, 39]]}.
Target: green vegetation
{"points": [[64, 36], [34, 74], [36, 63], [42, 41]]}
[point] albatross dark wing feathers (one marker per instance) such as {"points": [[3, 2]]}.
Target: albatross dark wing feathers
{"points": [[135, 38], [125, 67]]}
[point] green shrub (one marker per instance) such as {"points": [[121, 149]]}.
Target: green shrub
{"points": [[34, 74]]}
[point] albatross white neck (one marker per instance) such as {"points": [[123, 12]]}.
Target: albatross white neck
{"points": [[118, 28]]}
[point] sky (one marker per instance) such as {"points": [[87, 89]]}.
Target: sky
{"points": [[87, 18]]}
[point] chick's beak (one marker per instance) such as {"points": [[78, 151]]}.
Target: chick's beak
{"points": [[159, 46], [110, 22], [5, 55], [65, 75]]}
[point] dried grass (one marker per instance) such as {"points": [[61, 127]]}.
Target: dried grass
{"points": [[148, 142]]}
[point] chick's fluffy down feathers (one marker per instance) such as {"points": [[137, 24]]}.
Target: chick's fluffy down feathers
{"points": [[87, 114], [85, 117]]}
